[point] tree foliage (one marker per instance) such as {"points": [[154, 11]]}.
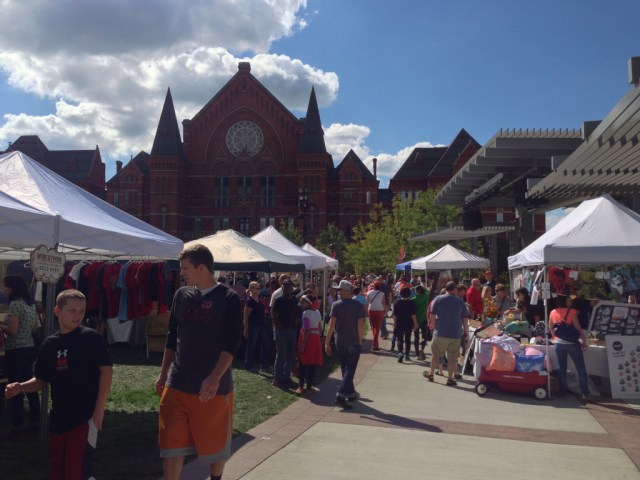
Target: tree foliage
{"points": [[377, 244], [332, 241], [291, 233]]}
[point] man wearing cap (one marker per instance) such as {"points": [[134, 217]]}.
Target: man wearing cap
{"points": [[286, 315], [347, 320], [491, 281]]}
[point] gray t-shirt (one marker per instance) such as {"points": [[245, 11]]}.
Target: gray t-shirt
{"points": [[347, 312], [449, 310]]}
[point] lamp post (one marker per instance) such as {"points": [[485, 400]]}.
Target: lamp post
{"points": [[163, 217], [303, 205]]}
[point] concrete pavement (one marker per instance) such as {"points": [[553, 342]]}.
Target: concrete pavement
{"points": [[406, 426]]}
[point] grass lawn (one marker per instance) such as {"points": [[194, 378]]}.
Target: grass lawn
{"points": [[127, 446]]}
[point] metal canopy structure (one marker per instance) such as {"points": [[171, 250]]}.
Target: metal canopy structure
{"points": [[496, 175], [607, 162], [457, 232]]}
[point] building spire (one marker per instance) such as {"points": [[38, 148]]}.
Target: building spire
{"points": [[167, 141], [313, 135]]}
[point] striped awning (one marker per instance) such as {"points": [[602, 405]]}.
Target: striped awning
{"points": [[608, 161], [457, 232], [497, 174]]}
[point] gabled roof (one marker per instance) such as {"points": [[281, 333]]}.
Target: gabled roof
{"points": [[32, 146], [167, 142], [352, 158], [74, 165], [244, 70], [444, 167], [142, 162], [313, 136], [420, 162]]}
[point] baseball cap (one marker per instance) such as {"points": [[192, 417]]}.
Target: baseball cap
{"points": [[345, 285]]}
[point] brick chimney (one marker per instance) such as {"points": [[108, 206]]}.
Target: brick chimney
{"points": [[375, 168], [118, 166]]}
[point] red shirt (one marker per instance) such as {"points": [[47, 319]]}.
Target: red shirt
{"points": [[474, 298]]}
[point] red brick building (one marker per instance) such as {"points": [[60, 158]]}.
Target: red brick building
{"points": [[432, 167], [245, 162]]}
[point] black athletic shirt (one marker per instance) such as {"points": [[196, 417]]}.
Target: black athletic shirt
{"points": [[201, 327], [70, 364]]}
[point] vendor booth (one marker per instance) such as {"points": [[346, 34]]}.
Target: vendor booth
{"points": [[233, 251], [591, 253], [445, 259], [275, 240], [45, 218]]}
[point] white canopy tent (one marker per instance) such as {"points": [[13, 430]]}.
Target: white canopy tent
{"points": [[331, 262], [600, 231], [275, 240], [449, 258], [37, 207], [233, 251]]}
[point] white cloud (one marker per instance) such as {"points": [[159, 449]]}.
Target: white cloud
{"points": [[109, 72], [339, 139], [120, 27]]}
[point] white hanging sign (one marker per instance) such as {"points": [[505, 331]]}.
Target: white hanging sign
{"points": [[47, 264]]}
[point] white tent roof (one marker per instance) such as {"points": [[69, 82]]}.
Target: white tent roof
{"points": [[37, 207], [598, 232], [332, 263], [233, 251], [449, 257], [274, 239]]}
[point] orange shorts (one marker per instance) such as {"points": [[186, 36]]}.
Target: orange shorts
{"points": [[189, 426]]}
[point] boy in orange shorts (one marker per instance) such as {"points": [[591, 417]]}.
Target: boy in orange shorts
{"points": [[205, 330]]}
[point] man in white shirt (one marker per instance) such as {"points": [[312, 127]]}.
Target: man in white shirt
{"points": [[278, 293]]}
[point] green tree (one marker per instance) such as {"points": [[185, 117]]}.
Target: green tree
{"points": [[291, 233], [332, 241], [376, 245]]}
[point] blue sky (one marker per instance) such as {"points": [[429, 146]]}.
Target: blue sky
{"points": [[389, 75]]}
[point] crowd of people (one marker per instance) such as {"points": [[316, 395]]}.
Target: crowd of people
{"points": [[284, 335]]}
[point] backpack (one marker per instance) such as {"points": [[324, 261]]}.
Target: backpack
{"points": [[565, 331]]}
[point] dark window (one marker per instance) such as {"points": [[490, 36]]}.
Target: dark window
{"points": [[221, 191], [268, 191]]}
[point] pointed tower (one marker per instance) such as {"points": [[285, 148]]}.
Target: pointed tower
{"points": [[166, 173], [314, 166], [312, 141], [167, 142]]}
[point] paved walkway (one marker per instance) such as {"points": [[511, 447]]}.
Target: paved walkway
{"points": [[406, 426]]}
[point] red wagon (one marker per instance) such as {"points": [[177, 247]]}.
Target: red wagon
{"points": [[522, 382]]}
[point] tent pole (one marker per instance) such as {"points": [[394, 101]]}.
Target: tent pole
{"points": [[324, 296], [48, 330], [546, 333]]}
